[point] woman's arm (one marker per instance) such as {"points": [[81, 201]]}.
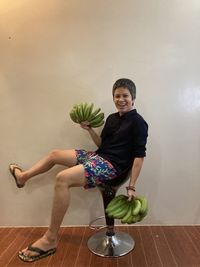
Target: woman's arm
{"points": [[95, 137], [135, 172]]}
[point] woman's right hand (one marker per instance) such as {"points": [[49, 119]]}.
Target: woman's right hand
{"points": [[85, 125], [95, 137]]}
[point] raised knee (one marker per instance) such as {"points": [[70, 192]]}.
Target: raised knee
{"points": [[61, 180], [53, 155]]}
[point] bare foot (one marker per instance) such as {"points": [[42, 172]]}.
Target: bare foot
{"points": [[43, 243], [17, 173]]}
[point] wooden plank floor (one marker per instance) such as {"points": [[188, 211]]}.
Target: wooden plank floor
{"points": [[156, 246]]}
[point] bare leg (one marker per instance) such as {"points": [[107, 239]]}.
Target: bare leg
{"points": [[62, 157], [71, 177]]}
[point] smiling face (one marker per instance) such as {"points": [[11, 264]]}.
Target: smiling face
{"points": [[123, 100]]}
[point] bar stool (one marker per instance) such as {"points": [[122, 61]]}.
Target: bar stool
{"points": [[110, 243]]}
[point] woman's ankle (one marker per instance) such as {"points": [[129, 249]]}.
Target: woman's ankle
{"points": [[51, 236], [22, 177]]}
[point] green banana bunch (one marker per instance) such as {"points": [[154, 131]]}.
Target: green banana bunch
{"points": [[84, 112], [128, 211]]}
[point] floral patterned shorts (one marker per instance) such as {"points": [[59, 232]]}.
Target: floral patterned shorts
{"points": [[97, 169]]}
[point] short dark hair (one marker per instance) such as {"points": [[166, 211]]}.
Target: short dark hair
{"points": [[126, 83]]}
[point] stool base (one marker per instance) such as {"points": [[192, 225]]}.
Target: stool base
{"points": [[111, 246]]}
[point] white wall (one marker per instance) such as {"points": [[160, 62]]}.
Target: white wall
{"points": [[56, 53]]}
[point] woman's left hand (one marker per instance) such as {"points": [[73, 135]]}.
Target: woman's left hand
{"points": [[131, 194]]}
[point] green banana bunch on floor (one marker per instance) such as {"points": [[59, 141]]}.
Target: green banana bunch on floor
{"points": [[127, 211], [84, 112]]}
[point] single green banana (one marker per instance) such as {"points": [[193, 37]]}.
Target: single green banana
{"points": [[142, 215], [73, 115], [136, 207], [85, 109], [89, 111], [80, 111], [94, 113], [76, 112], [97, 118], [98, 124], [128, 214], [144, 203], [83, 105], [134, 219], [130, 219]]}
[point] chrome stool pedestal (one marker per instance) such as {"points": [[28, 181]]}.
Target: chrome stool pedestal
{"points": [[116, 245], [110, 243]]}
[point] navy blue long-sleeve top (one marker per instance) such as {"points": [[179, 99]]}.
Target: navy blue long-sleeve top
{"points": [[123, 139]]}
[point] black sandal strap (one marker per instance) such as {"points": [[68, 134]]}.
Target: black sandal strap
{"points": [[35, 249]]}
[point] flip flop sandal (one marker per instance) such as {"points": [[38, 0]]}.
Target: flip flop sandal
{"points": [[12, 171], [42, 254]]}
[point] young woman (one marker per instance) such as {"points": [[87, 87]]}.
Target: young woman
{"points": [[122, 145]]}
